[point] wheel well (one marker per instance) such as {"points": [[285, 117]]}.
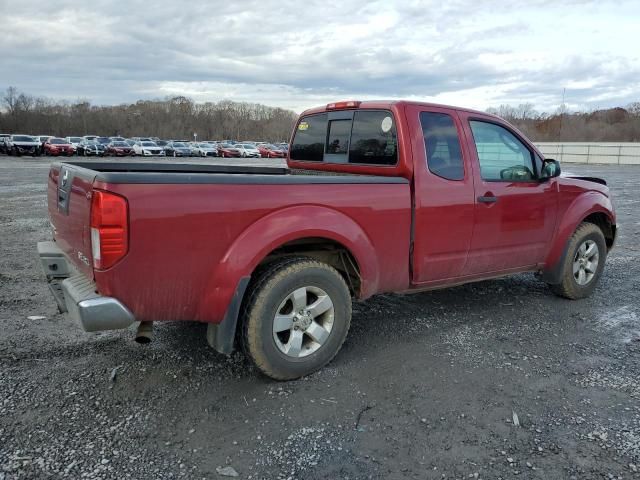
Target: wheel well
{"points": [[604, 224], [325, 250]]}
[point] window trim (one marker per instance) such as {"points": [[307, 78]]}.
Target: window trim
{"points": [[424, 144], [344, 160], [536, 175]]}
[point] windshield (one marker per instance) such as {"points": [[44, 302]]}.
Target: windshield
{"points": [[250, 146], [103, 140], [22, 138], [75, 139], [148, 144], [120, 144], [57, 141], [179, 145]]}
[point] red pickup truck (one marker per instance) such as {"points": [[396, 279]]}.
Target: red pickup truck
{"points": [[377, 197]]}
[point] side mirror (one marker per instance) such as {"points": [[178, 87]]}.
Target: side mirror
{"points": [[550, 169]]}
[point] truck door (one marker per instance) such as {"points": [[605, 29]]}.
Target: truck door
{"points": [[443, 194], [515, 213]]}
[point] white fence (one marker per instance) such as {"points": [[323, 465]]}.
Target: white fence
{"points": [[582, 152]]}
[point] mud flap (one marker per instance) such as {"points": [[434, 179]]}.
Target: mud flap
{"points": [[220, 336]]}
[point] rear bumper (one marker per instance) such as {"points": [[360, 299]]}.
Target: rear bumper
{"points": [[76, 294]]}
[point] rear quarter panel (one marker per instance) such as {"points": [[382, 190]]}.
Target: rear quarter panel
{"points": [[190, 244]]}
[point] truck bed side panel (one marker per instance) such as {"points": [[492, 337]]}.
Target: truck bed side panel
{"points": [[180, 232]]}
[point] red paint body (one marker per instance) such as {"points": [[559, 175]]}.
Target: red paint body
{"points": [[190, 244]]}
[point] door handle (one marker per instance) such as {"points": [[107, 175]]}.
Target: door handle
{"points": [[487, 199]]}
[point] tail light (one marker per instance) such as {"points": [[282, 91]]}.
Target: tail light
{"points": [[109, 229]]}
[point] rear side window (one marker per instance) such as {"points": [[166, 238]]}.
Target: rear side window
{"points": [[442, 144], [310, 137], [365, 137]]}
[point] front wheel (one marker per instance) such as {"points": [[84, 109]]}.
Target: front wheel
{"points": [[583, 264], [296, 318]]}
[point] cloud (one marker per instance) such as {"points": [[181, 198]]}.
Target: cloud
{"points": [[299, 54]]}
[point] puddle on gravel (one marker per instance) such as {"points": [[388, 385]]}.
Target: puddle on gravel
{"points": [[622, 323]]}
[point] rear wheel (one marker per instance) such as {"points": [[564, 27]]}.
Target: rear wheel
{"points": [[296, 318], [583, 264]]}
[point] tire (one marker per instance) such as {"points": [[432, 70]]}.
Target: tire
{"points": [[292, 352], [581, 284]]}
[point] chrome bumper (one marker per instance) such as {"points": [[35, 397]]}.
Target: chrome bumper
{"points": [[76, 294]]}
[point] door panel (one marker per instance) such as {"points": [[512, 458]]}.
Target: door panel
{"points": [[515, 214], [444, 195]]}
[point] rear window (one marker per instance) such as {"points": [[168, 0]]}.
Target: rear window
{"points": [[311, 135], [367, 138], [373, 138]]}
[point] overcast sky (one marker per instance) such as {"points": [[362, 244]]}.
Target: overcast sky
{"points": [[474, 53]]}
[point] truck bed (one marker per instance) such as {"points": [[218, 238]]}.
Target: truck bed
{"points": [[199, 173], [196, 229]]}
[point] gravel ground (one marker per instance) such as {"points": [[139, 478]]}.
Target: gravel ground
{"points": [[492, 380]]}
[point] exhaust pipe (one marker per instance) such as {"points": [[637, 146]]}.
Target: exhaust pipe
{"points": [[144, 334]]}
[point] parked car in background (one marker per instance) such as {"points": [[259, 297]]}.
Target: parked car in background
{"points": [[42, 139], [148, 149], [90, 137], [204, 150], [248, 150], [270, 151], [117, 139], [119, 149], [130, 141], [23, 145], [103, 140], [4, 139], [75, 141], [228, 150], [177, 149], [91, 148], [162, 143], [58, 146]]}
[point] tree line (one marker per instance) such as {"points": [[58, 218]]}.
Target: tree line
{"points": [[608, 125], [172, 118], [181, 117]]}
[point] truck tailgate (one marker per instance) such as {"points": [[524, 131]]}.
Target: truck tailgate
{"points": [[69, 197]]}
